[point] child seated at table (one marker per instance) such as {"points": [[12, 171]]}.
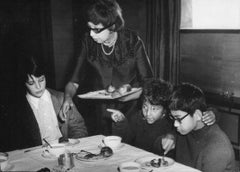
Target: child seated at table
{"points": [[206, 148], [36, 116], [151, 128]]}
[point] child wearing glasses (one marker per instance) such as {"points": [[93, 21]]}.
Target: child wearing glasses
{"points": [[204, 147], [110, 55], [37, 113], [152, 130]]}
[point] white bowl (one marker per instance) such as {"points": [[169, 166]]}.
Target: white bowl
{"points": [[129, 167], [113, 142]]}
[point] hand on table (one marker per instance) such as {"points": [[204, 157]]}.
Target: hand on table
{"points": [[116, 115]]}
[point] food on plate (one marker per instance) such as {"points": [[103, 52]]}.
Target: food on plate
{"points": [[124, 89], [121, 90], [110, 89], [157, 163], [115, 94], [104, 153]]}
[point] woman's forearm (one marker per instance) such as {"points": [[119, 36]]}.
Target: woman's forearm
{"points": [[70, 90]]}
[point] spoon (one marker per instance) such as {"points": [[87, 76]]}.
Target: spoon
{"points": [[47, 143]]}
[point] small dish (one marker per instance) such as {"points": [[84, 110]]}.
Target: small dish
{"points": [[129, 167], [81, 156], [48, 155], [146, 162], [53, 152], [72, 142]]}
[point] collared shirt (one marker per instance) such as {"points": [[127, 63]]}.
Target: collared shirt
{"points": [[46, 116]]}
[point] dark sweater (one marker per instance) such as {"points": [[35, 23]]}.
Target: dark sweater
{"points": [[149, 136], [207, 149]]}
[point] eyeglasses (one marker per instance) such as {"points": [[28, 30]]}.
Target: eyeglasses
{"points": [[178, 119], [99, 30]]}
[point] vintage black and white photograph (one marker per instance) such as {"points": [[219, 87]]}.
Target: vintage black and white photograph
{"points": [[120, 85]]}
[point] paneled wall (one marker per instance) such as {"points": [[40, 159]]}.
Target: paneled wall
{"points": [[211, 60]]}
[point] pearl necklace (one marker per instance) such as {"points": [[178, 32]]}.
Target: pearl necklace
{"points": [[106, 52], [112, 44]]}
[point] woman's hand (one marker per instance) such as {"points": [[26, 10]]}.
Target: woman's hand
{"points": [[209, 118], [168, 143], [70, 90], [66, 106], [116, 115]]}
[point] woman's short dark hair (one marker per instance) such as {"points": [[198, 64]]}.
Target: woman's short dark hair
{"points": [[31, 66], [106, 12]]}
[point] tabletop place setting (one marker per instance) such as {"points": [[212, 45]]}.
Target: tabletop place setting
{"points": [[90, 154]]}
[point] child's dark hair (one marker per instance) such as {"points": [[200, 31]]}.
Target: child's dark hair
{"points": [[106, 12], [32, 66], [157, 92], [188, 98]]}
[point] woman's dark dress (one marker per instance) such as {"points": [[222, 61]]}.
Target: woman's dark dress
{"points": [[128, 64]]}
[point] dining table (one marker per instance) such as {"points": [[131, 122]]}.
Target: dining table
{"points": [[32, 159]]}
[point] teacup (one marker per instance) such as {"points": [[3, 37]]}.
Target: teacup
{"points": [[114, 142], [3, 161], [129, 167]]}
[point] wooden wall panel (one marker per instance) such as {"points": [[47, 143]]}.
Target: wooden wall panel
{"points": [[211, 61]]}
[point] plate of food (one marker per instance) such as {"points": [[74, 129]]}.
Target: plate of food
{"points": [[155, 162], [111, 92], [105, 153]]}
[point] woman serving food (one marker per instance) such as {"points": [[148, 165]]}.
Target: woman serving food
{"points": [[110, 55]]}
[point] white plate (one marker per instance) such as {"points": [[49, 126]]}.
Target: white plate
{"points": [[145, 162], [103, 94], [48, 155], [80, 157], [71, 142]]}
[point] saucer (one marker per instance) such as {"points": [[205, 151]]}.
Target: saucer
{"points": [[48, 155], [119, 147], [146, 162], [72, 142]]}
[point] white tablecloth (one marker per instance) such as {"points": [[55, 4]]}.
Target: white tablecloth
{"points": [[33, 161]]}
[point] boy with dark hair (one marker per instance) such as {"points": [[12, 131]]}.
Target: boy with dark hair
{"points": [[206, 148], [151, 128]]}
